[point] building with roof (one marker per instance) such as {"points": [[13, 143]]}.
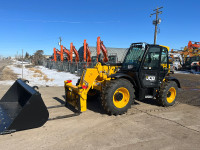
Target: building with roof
{"points": [[114, 54]]}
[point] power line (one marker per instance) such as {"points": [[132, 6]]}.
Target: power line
{"points": [[156, 22]]}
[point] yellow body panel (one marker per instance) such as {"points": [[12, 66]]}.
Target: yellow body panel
{"points": [[165, 47], [92, 78]]}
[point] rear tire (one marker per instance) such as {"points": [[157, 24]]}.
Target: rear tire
{"points": [[117, 96], [168, 93]]}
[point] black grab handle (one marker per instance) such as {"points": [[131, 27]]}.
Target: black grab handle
{"points": [[35, 87]]}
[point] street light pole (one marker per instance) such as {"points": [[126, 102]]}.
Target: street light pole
{"points": [[156, 22], [60, 41], [22, 65]]}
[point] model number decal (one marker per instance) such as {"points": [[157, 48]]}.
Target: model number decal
{"points": [[151, 78]]}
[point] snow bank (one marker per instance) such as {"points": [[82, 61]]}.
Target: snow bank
{"points": [[7, 82], [41, 76]]}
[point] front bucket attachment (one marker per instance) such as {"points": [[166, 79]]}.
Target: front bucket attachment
{"points": [[21, 108]]}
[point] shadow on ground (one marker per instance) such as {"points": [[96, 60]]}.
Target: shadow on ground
{"points": [[92, 104], [150, 101]]}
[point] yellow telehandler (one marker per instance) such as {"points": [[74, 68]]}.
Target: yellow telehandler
{"points": [[144, 73]]}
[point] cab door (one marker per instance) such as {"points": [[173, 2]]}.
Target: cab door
{"points": [[149, 72]]}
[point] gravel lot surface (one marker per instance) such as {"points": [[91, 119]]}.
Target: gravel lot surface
{"points": [[145, 126]]}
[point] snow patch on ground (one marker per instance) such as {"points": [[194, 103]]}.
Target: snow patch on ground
{"points": [[43, 77], [182, 72], [187, 72], [7, 82]]}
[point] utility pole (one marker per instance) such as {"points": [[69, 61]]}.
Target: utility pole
{"points": [[156, 22]]}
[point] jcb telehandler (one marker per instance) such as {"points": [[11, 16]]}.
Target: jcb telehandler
{"points": [[144, 73]]}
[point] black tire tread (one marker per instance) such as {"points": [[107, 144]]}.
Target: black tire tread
{"points": [[105, 96], [163, 92]]}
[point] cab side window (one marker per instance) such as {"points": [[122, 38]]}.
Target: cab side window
{"points": [[164, 58], [152, 59]]}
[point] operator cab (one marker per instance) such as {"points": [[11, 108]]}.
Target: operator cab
{"points": [[145, 56], [147, 65]]}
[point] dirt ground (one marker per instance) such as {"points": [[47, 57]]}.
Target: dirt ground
{"points": [[145, 126]]}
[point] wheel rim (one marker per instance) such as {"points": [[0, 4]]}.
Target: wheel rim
{"points": [[121, 97], [171, 95]]}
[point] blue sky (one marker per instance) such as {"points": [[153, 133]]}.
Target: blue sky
{"points": [[37, 24]]}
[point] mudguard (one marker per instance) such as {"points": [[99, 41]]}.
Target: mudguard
{"points": [[122, 75], [169, 78]]}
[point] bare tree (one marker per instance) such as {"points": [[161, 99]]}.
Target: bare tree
{"points": [[27, 56], [38, 57]]}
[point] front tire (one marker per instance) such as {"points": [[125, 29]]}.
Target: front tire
{"points": [[117, 96], [168, 93]]}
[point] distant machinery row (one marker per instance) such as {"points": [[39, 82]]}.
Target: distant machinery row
{"points": [[89, 54], [188, 58]]}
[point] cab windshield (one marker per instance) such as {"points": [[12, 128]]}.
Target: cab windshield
{"points": [[134, 56]]}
